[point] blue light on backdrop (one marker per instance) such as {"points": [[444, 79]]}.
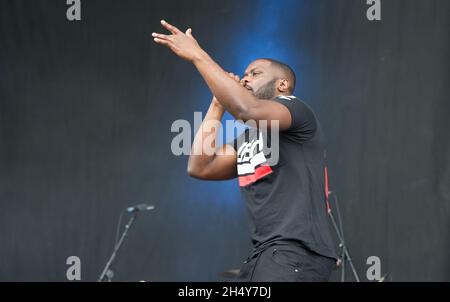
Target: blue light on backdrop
{"points": [[265, 35]]}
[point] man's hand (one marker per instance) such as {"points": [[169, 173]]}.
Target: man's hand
{"points": [[182, 44], [236, 78], [215, 101]]}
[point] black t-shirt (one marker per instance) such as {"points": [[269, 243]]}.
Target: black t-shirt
{"points": [[286, 200]]}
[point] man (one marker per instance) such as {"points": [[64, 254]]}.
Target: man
{"points": [[285, 201]]}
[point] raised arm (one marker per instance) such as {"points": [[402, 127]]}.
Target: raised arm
{"points": [[234, 98], [207, 161]]}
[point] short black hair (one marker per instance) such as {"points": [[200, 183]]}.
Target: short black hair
{"points": [[286, 70]]}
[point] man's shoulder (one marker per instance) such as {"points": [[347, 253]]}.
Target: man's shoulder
{"points": [[293, 102], [290, 99], [287, 97]]}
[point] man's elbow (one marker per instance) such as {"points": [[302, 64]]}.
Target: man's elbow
{"points": [[191, 171], [194, 171], [197, 174]]}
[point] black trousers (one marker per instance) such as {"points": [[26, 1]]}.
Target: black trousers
{"points": [[286, 262]]}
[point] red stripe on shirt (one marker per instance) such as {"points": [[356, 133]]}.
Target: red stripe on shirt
{"points": [[259, 173]]}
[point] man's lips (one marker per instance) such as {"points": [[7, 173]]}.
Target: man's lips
{"points": [[248, 88]]}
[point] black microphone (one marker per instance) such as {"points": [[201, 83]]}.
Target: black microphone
{"points": [[140, 207]]}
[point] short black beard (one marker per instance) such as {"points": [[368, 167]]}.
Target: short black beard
{"points": [[266, 92]]}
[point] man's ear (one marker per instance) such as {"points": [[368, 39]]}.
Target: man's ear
{"points": [[283, 86]]}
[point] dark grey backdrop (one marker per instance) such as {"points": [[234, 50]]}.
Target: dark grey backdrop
{"points": [[86, 109]]}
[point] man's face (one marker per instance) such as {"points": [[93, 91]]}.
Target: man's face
{"points": [[260, 79]]}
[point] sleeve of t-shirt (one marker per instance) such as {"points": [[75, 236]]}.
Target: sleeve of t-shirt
{"points": [[303, 121]]}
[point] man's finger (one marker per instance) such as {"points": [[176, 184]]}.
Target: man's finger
{"points": [[170, 27], [163, 42], [234, 76], [161, 36]]}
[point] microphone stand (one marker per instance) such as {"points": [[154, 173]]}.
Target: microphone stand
{"points": [[107, 272], [345, 256]]}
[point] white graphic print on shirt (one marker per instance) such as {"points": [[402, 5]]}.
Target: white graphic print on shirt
{"points": [[252, 164]]}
